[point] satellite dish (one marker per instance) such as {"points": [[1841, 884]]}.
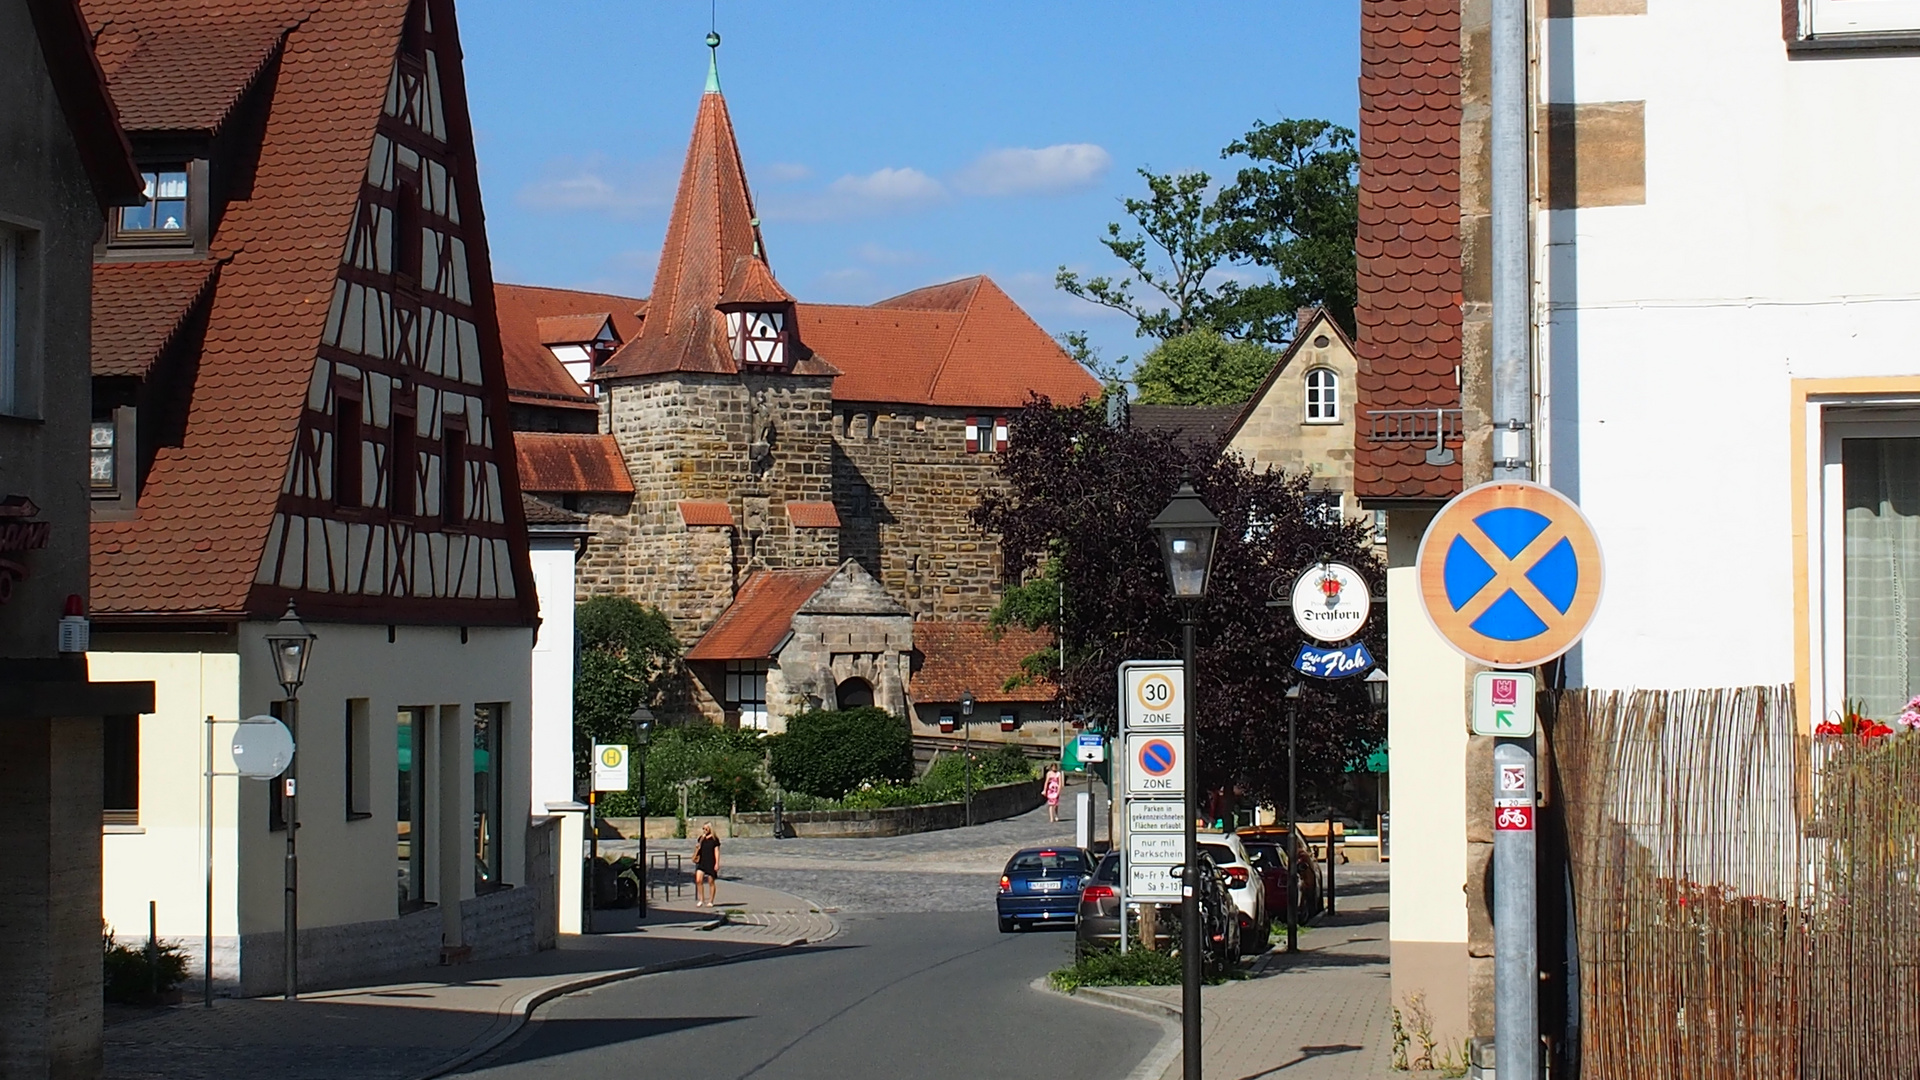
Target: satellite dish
{"points": [[262, 747]]}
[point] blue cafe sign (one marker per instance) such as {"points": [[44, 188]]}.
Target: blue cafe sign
{"points": [[1338, 663]]}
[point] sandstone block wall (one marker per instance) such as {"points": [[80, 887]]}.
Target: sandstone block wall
{"points": [[905, 485]]}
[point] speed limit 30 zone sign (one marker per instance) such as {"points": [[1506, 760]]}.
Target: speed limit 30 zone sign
{"points": [[1510, 573]]}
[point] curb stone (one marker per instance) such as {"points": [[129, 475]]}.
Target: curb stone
{"points": [[1163, 1054], [510, 1022]]}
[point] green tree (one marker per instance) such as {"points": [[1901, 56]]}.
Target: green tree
{"points": [[1203, 368], [1292, 213], [625, 653], [828, 753]]}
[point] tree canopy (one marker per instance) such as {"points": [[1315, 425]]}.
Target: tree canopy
{"points": [[1291, 212], [1079, 495], [626, 652], [1203, 368]]}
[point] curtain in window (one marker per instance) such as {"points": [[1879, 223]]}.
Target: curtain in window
{"points": [[1882, 526]]}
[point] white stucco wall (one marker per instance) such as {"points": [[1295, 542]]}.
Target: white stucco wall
{"points": [[348, 866], [552, 696], [1776, 244]]}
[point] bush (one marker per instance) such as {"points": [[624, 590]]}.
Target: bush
{"points": [[729, 763], [829, 753], [946, 777], [1111, 967], [129, 979]]}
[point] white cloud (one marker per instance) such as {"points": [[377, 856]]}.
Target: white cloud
{"points": [[882, 256], [1048, 170], [788, 171], [883, 191], [598, 184]]}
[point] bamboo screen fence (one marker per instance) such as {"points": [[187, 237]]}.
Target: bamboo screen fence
{"points": [[1748, 900]]}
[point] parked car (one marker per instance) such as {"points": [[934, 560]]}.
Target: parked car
{"points": [[1097, 924], [1096, 921], [1267, 841], [1041, 885], [1244, 884]]}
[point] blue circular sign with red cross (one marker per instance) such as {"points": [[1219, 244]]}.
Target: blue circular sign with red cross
{"points": [[1510, 573], [1157, 757]]}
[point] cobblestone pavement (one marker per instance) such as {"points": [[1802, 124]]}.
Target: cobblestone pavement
{"points": [[1320, 1014], [422, 1026], [950, 870]]}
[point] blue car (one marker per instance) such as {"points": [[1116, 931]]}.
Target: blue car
{"points": [[1042, 885]]}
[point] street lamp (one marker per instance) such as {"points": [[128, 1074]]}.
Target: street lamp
{"points": [[642, 723], [1376, 683], [966, 754], [292, 645], [1187, 530]]}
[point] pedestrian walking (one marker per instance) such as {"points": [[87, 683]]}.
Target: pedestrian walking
{"points": [[1055, 781], [706, 867]]}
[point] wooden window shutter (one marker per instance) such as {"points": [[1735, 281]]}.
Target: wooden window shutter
{"points": [[973, 434], [999, 434]]}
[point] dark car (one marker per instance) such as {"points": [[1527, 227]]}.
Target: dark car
{"points": [[1041, 885], [1264, 848], [1098, 922]]}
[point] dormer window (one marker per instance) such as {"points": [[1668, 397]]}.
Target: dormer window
{"points": [[759, 338], [162, 217]]}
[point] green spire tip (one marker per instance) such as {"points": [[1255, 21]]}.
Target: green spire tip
{"points": [[713, 63]]}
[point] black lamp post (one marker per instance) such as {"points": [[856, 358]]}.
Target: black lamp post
{"points": [[1292, 696], [966, 753], [642, 723], [292, 645], [1187, 530]]}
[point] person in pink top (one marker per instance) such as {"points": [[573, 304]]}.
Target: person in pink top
{"points": [[1054, 783]]}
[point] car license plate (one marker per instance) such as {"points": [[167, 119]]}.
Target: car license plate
{"points": [[1044, 886]]}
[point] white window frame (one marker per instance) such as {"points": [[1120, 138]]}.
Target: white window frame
{"points": [[1325, 398], [1828, 569], [1826, 18], [745, 689]]}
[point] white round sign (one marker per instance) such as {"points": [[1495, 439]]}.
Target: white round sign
{"points": [[262, 747], [1330, 602]]}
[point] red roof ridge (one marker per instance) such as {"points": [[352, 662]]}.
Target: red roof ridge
{"points": [[761, 614]]}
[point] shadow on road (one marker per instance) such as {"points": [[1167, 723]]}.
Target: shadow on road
{"points": [[555, 1037]]}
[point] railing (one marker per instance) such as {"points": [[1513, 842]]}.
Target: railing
{"points": [[1413, 425]]}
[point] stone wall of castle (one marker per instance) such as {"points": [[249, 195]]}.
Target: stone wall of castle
{"points": [[905, 485]]}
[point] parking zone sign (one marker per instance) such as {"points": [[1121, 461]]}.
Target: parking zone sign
{"points": [[1156, 764]]}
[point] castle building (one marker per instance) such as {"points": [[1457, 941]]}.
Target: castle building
{"points": [[789, 483]]}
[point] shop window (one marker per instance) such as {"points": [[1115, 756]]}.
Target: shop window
{"points": [[489, 794], [1828, 18], [410, 725]]}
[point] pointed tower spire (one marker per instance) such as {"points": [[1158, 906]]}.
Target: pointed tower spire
{"points": [[712, 258], [713, 62]]}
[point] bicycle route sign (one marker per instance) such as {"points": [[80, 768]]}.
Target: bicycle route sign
{"points": [[1510, 573]]}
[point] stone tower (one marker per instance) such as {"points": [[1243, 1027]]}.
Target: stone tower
{"points": [[723, 414]]}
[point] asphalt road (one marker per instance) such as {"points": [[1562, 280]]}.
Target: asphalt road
{"points": [[894, 996]]}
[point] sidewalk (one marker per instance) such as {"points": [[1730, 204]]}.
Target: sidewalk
{"points": [[1320, 1014], [444, 1017]]}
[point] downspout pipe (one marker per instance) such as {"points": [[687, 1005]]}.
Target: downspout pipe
{"points": [[1511, 251]]}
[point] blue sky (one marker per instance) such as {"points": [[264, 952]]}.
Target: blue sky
{"points": [[888, 145]]}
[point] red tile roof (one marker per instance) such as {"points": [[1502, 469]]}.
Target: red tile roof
{"points": [[139, 306], [1409, 237], [964, 343], [541, 512], [813, 515], [571, 463], [750, 283], [188, 73], [696, 513], [195, 545], [573, 329], [712, 228], [963, 656], [761, 614], [66, 44], [534, 375]]}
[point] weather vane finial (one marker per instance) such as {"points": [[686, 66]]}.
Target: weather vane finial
{"points": [[713, 62]]}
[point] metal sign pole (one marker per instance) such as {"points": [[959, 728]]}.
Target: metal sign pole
{"points": [[1190, 973], [1516, 982]]}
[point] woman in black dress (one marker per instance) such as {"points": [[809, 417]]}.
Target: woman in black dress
{"points": [[706, 867]]}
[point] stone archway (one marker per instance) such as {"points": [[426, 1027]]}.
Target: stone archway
{"points": [[853, 693]]}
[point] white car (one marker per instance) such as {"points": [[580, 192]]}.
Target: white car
{"points": [[1248, 891]]}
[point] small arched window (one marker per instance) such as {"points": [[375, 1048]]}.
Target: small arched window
{"points": [[1323, 396]]}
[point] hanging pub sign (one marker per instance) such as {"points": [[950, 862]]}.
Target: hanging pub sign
{"points": [[1339, 663], [17, 534], [1330, 602]]}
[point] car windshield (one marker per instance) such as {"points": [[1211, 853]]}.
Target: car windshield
{"points": [[1264, 856], [1221, 853], [1064, 860]]}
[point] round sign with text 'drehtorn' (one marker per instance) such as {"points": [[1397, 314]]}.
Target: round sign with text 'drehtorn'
{"points": [[1510, 573], [1330, 601]]}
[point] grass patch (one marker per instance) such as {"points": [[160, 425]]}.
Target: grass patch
{"points": [[1111, 967]]}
